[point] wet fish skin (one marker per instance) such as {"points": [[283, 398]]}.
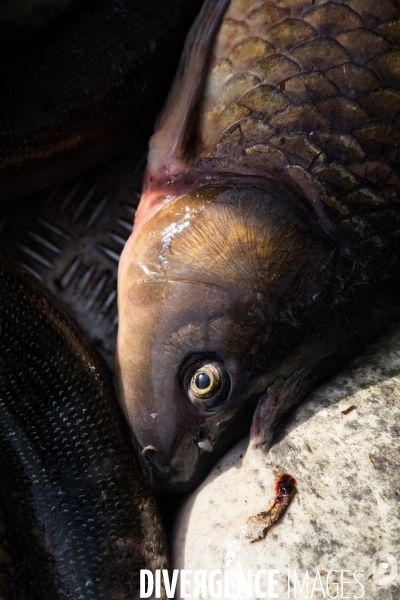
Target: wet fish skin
{"points": [[86, 520], [266, 240], [85, 88]]}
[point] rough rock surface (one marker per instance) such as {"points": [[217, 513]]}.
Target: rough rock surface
{"points": [[342, 447]]}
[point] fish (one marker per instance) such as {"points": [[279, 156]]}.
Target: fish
{"points": [[265, 249], [86, 520], [85, 87]]}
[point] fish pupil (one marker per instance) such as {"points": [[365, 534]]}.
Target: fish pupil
{"points": [[202, 381]]}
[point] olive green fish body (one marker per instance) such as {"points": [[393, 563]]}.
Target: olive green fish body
{"points": [[85, 87], [265, 249], [86, 521]]}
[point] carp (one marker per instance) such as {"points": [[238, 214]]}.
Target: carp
{"points": [[86, 520], [265, 249]]}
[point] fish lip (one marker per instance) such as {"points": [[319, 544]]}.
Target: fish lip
{"points": [[163, 478], [156, 475], [145, 450]]}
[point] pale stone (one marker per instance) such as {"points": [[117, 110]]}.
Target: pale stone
{"points": [[342, 447]]}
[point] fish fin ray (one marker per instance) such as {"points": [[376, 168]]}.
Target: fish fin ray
{"points": [[172, 141]]}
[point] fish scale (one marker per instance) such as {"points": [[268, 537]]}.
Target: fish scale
{"points": [[86, 520], [317, 91]]}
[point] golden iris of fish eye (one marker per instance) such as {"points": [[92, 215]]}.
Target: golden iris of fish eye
{"points": [[214, 376]]}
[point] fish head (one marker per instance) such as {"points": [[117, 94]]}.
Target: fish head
{"points": [[213, 293]]}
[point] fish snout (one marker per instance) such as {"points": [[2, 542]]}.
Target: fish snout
{"points": [[181, 469], [155, 466]]}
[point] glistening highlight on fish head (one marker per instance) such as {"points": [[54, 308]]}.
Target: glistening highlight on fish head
{"points": [[215, 297]]}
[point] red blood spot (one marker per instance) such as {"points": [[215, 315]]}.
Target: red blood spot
{"points": [[284, 488], [281, 86]]}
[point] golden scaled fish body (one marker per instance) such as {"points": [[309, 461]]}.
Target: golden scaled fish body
{"points": [[266, 245]]}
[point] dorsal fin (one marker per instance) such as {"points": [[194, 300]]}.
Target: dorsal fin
{"points": [[174, 139]]}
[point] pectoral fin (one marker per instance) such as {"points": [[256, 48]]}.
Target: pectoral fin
{"points": [[282, 396]]}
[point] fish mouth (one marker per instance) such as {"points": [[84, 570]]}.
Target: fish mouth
{"points": [[166, 478], [156, 468]]}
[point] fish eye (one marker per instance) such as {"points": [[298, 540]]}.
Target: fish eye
{"points": [[205, 381], [207, 385]]}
